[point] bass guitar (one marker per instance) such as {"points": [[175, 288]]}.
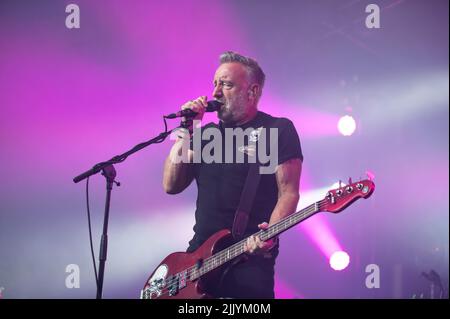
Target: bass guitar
{"points": [[189, 275]]}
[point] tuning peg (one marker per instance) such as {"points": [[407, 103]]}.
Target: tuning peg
{"points": [[349, 181], [340, 183], [370, 175]]}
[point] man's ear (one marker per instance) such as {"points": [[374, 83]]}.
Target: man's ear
{"points": [[254, 90]]}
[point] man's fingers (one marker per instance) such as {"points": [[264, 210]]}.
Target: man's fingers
{"points": [[247, 245], [196, 105], [261, 244], [204, 101], [251, 244], [263, 225]]}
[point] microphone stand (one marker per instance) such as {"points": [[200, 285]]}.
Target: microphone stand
{"points": [[109, 172]]}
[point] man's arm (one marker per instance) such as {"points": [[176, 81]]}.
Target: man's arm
{"points": [[178, 174], [288, 180]]}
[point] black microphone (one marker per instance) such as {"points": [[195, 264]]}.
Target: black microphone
{"points": [[212, 107]]}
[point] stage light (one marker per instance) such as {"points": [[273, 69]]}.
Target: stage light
{"points": [[339, 260], [346, 125]]}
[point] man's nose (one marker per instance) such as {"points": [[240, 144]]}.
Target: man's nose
{"points": [[217, 93]]}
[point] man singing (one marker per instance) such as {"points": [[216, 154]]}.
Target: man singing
{"points": [[238, 84]]}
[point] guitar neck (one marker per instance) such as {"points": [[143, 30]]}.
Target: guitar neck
{"points": [[237, 249]]}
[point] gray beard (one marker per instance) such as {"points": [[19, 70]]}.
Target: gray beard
{"points": [[227, 116]]}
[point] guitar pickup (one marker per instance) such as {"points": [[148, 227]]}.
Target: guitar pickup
{"points": [[182, 279], [173, 287]]}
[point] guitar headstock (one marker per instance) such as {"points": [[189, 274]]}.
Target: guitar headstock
{"points": [[341, 197]]}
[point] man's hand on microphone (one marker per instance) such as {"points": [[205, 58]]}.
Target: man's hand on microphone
{"points": [[198, 105]]}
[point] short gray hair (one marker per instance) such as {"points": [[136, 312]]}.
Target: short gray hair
{"points": [[253, 68]]}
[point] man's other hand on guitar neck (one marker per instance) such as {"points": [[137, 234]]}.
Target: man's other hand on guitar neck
{"points": [[255, 246]]}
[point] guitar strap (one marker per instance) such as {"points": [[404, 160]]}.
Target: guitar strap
{"points": [[248, 195], [245, 204]]}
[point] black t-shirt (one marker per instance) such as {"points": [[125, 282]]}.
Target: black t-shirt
{"points": [[220, 183]]}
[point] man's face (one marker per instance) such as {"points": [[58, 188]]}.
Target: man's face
{"points": [[231, 87]]}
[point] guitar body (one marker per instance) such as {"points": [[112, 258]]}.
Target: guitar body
{"points": [[158, 284]]}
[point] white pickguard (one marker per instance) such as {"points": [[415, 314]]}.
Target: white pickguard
{"points": [[157, 281]]}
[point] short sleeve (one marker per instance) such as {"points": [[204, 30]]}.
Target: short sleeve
{"points": [[288, 141]]}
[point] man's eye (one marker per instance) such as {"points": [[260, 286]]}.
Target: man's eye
{"points": [[226, 84]]}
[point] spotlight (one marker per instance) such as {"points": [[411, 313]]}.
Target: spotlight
{"points": [[346, 125], [339, 260]]}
